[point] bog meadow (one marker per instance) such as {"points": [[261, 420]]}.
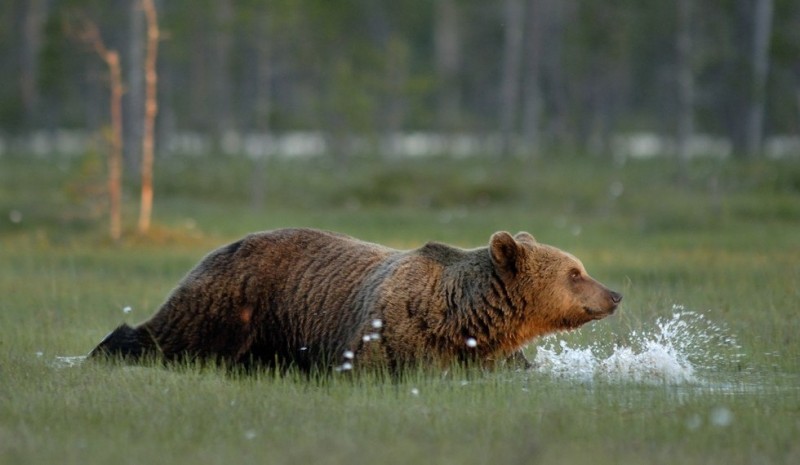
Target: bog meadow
{"points": [[656, 141], [700, 364]]}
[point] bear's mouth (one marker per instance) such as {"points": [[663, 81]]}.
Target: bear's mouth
{"points": [[598, 314]]}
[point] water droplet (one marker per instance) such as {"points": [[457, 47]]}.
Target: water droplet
{"points": [[366, 338], [377, 323], [348, 354], [414, 391], [694, 422], [374, 337], [471, 342], [39, 353], [721, 416], [127, 309], [250, 434]]}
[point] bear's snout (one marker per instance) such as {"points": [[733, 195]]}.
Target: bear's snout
{"points": [[614, 298]]}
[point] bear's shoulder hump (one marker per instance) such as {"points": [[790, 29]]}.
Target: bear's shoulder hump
{"points": [[440, 252]]}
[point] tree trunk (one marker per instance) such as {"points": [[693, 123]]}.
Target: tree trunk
{"points": [[762, 31], [532, 110], [134, 95], [150, 110], [447, 48], [115, 156], [397, 72], [90, 34], [35, 15], [560, 14], [221, 68], [512, 56], [263, 108], [685, 87]]}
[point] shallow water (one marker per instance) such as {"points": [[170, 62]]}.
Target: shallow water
{"points": [[685, 350], [68, 361]]}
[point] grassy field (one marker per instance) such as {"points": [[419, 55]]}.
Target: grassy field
{"points": [[724, 244]]}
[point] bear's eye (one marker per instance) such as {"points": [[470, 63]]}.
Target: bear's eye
{"points": [[575, 274]]}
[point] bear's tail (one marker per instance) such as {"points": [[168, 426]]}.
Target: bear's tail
{"points": [[125, 342]]}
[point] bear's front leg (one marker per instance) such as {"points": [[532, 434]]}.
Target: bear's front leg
{"points": [[517, 361]]}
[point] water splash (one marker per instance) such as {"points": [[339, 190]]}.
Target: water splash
{"points": [[675, 351], [68, 361]]}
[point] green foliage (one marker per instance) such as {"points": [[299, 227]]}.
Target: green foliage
{"points": [[373, 67]]}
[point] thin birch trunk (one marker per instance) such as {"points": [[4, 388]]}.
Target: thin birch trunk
{"points": [[150, 110]]}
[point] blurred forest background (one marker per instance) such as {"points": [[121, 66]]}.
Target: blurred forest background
{"points": [[524, 77]]}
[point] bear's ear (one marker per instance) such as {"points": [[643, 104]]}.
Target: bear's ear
{"points": [[523, 236], [504, 251]]}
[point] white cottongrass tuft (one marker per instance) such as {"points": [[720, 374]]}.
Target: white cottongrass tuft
{"points": [[371, 337], [694, 422], [15, 216], [346, 366]]}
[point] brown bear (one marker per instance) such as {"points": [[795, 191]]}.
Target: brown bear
{"points": [[317, 299]]}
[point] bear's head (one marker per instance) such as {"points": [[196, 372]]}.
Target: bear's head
{"points": [[549, 286]]}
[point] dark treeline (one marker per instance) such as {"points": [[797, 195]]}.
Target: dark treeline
{"points": [[542, 74]]}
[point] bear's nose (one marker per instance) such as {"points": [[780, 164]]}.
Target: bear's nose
{"points": [[616, 297]]}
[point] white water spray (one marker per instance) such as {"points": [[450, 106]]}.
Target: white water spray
{"points": [[674, 351]]}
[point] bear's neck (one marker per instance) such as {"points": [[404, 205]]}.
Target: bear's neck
{"points": [[482, 319]]}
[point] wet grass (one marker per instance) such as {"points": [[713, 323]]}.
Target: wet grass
{"points": [[725, 244]]}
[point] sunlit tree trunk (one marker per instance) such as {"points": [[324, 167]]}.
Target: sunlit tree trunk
{"points": [[512, 57], [90, 34], [150, 110]]}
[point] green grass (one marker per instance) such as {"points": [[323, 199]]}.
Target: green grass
{"points": [[729, 249]]}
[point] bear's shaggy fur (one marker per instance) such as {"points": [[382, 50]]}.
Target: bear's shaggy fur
{"points": [[317, 299]]}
